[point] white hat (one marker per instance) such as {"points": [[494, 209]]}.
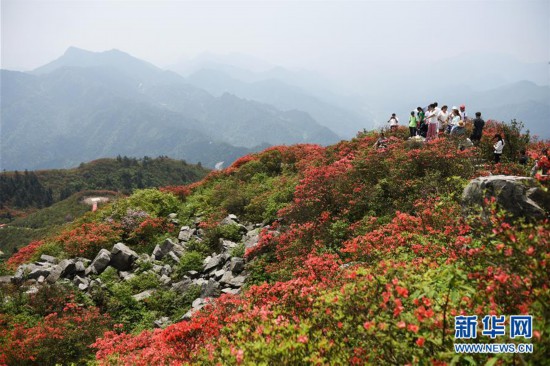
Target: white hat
{"points": [[455, 107]]}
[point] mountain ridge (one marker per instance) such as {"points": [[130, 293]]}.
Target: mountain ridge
{"points": [[73, 95]]}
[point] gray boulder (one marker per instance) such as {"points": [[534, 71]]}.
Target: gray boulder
{"points": [[218, 274], [65, 268], [165, 280], [19, 274], [212, 289], [196, 306], [215, 262], [49, 259], [186, 233], [162, 322], [236, 265], [518, 196], [237, 281], [122, 257], [166, 270], [81, 280], [173, 257], [227, 244], [197, 303], [252, 238], [226, 278], [193, 274], [231, 291], [79, 267], [182, 286], [144, 295], [38, 271], [161, 250], [100, 262]]}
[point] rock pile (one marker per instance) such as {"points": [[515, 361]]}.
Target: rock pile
{"points": [[221, 272]]}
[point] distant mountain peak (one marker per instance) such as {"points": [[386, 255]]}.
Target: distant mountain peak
{"points": [[78, 57]]}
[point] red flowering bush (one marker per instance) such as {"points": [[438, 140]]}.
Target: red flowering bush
{"points": [[24, 254], [150, 228], [59, 338], [87, 239]]}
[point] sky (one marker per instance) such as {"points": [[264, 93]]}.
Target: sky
{"points": [[336, 38]]}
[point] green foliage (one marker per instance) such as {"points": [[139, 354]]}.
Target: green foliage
{"points": [[515, 139], [152, 201], [46, 221], [230, 232], [142, 282], [198, 246], [190, 261], [238, 251], [172, 304], [122, 174], [50, 248]]}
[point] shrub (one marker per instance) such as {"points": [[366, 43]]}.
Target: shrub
{"points": [[87, 239], [60, 338], [190, 261], [147, 234], [152, 201], [24, 254], [238, 251]]}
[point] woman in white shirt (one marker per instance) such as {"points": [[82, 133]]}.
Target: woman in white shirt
{"points": [[455, 119], [431, 117], [442, 118], [499, 146]]}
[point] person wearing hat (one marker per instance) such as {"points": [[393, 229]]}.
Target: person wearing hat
{"points": [[463, 115], [454, 119], [459, 129]]}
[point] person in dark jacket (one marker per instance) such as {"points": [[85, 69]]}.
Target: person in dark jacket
{"points": [[478, 128]]}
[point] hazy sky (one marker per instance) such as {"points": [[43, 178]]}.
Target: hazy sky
{"points": [[333, 37]]}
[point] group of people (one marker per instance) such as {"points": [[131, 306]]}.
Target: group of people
{"points": [[431, 122]]}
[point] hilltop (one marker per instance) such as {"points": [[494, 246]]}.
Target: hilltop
{"points": [[303, 254], [33, 203]]}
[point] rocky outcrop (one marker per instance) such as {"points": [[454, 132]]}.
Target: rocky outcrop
{"points": [[122, 257], [519, 196], [100, 262], [222, 273]]}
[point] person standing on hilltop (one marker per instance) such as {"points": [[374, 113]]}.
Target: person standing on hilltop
{"points": [[394, 122], [499, 146], [478, 128], [412, 125], [455, 119], [421, 122], [442, 119], [463, 114], [431, 117]]}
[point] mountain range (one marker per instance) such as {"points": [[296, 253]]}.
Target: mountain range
{"points": [[213, 109], [87, 105]]}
